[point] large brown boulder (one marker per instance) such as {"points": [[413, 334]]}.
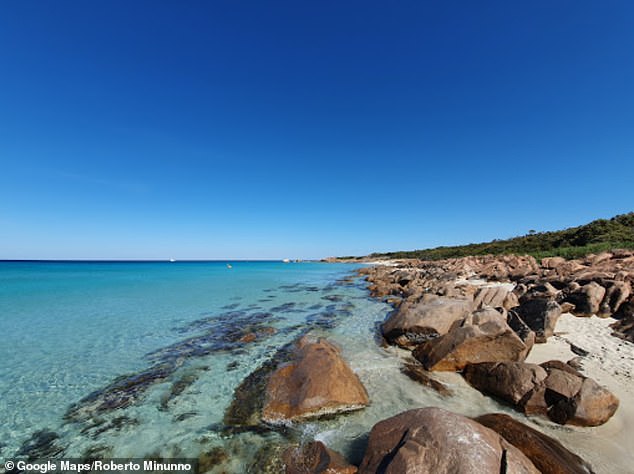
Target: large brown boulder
{"points": [[616, 294], [553, 262], [592, 405], [541, 315], [315, 458], [510, 381], [569, 268], [317, 382], [561, 384], [433, 440], [587, 299], [539, 289], [553, 389], [547, 454], [592, 259], [431, 317], [510, 301], [492, 341], [503, 267], [493, 296], [624, 327], [526, 334]]}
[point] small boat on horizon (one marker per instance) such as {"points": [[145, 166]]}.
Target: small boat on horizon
{"points": [[286, 260], [172, 260]]}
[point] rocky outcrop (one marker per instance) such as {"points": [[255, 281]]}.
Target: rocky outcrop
{"points": [[505, 267], [510, 381], [541, 315], [547, 454], [434, 316], [552, 262], [591, 405], [552, 388], [491, 341], [433, 440], [587, 298], [624, 327], [526, 334], [494, 297], [245, 410], [315, 458], [316, 382], [616, 294]]}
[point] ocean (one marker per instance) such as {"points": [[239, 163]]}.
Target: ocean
{"points": [[72, 330], [142, 359]]}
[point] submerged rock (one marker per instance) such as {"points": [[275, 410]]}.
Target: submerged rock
{"points": [[317, 382], [246, 406], [315, 458], [547, 454], [101, 426], [436, 441], [41, 445], [178, 387], [220, 333], [211, 458], [268, 460], [417, 372], [122, 392]]}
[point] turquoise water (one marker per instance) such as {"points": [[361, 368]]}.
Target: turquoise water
{"points": [[70, 329]]}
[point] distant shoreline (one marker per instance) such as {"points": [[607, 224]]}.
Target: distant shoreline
{"points": [[149, 261]]}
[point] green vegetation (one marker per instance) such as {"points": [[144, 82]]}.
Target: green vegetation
{"points": [[597, 236]]}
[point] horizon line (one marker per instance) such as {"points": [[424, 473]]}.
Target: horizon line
{"points": [[156, 260]]}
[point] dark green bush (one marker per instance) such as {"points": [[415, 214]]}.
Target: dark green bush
{"points": [[597, 236]]}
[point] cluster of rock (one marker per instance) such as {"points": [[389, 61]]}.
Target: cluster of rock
{"points": [[432, 440], [553, 388], [315, 380], [454, 318], [455, 315], [595, 285]]}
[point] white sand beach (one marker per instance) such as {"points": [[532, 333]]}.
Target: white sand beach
{"points": [[610, 361]]}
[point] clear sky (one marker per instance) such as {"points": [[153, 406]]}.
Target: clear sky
{"points": [[265, 129]]}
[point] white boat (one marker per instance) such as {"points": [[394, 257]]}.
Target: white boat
{"points": [[172, 260], [229, 265], [286, 260]]}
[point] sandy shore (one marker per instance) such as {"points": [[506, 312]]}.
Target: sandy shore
{"points": [[610, 361], [601, 356]]}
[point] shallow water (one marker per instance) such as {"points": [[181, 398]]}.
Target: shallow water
{"points": [[160, 348], [71, 328]]}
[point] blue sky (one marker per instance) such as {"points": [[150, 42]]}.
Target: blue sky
{"points": [[304, 129]]}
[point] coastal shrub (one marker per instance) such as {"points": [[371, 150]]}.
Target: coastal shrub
{"points": [[597, 236]]}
